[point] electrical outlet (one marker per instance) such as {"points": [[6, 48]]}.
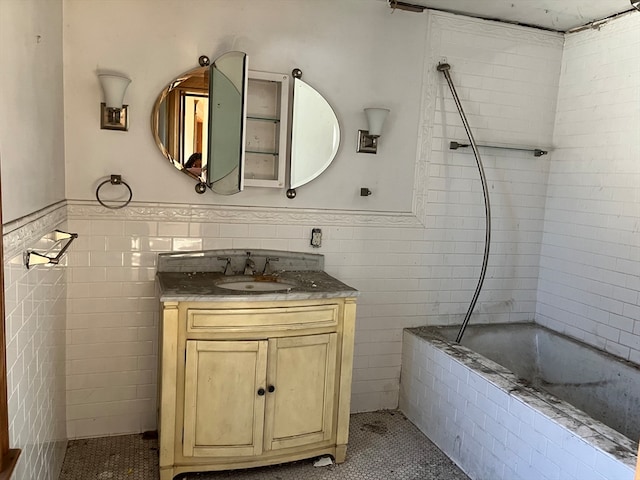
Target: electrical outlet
{"points": [[316, 238]]}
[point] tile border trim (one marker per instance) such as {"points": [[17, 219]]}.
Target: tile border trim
{"points": [[20, 234], [233, 214]]}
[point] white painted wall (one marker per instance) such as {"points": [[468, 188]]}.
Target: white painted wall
{"points": [[589, 282], [353, 52], [31, 91]]}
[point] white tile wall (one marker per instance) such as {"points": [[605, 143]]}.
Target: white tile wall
{"points": [[35, 305], [111, 327], [589, 283], [507, 79], [113, 311], [488, 432]]}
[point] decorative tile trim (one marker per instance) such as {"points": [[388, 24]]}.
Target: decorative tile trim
{"points": [[229, 214], [20, 234]]}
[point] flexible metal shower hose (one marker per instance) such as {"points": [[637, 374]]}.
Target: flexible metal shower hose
{"points": [[444, 68]]}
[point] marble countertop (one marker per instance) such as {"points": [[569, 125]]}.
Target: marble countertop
{"points": [[202, 287]]}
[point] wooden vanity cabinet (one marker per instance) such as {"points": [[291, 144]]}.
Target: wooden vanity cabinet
{"points": [[246, 384]]}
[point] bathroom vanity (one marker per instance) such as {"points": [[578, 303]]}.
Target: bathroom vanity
{"points": [[256, 353]]}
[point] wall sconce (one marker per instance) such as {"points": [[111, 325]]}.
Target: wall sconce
{"points": [[113, 114], [368, 139]]}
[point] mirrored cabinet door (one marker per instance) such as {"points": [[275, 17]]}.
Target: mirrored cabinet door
{"points": [[227, 123]]}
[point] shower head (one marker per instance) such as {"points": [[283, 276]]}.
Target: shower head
{"points": [[445, 66], [635, 4]]}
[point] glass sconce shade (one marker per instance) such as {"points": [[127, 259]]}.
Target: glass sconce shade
{"points": [[376, 118], [114, 87], [368, 139], [113, 113]]}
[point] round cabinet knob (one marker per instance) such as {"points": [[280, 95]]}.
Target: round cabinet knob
{"points": [[261, 391], [271, 389]]}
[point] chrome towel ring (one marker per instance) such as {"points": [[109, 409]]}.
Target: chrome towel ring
{"points": [[114, 180]]}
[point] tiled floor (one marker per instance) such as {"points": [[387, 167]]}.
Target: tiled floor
{"points": [[382, 446]]}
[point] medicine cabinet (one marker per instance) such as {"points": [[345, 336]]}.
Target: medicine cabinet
{"points": [[229, 127]]}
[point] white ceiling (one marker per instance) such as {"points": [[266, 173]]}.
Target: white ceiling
{"points": [[561, 15]]}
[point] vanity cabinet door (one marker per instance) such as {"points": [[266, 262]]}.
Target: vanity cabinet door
{"points": [[224, 398], [301, 381]]}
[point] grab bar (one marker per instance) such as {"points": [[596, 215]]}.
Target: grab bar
{"points": [[36, 258], [537, 152]]}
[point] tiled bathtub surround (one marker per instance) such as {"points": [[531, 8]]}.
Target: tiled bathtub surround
{"points": [[589, 284], [495, 427], [492, 66], [35, 304]]}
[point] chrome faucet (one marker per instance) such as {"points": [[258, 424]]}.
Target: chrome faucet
{"points": [[249, 265], [268, 269], [227, 267]]}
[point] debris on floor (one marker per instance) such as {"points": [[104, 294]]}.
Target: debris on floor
{"points": [[323, 462]]}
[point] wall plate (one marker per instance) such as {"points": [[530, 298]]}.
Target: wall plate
{"points": [[366, 142], [316, 238]]}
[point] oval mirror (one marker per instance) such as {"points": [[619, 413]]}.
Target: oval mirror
{"points": [[191, 131], [199, 125], [179, 122]]}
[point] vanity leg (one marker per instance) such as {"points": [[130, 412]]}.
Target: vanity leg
{"points": [[341, 453], [166, 474]]}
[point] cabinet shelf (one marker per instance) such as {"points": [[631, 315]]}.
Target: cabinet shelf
{"points": [[266, 132], [257, 152], [263, 119]]}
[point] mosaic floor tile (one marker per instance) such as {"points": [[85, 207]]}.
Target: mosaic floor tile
{"points": [[382, 446]]}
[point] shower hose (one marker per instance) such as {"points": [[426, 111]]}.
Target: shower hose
{"points": [[444, 68]]}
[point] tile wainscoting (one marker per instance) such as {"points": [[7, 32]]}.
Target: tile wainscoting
{"points": [[35, 307]]}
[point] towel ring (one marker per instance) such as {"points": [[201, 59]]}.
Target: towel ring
{"points": [[114, 180]]}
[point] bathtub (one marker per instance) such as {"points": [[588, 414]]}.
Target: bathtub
{"points": [[519, 401]]}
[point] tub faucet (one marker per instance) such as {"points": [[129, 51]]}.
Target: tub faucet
{"points": [[249, 265]]}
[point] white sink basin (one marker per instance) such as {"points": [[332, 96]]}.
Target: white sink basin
{"points": [[254, 285]]}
